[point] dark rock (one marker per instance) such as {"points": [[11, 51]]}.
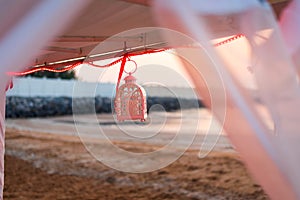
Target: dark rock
{"points": [[25, 107]]}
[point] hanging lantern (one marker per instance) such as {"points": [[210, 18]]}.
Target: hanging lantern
{"points": [[130, 100]]}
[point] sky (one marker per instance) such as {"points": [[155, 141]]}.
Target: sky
{"points": [[165, 69], [155, 69]]}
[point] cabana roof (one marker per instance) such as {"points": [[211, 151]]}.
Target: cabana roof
{"points": [[101, 20]]}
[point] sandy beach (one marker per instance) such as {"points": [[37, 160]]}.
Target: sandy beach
{"points": [[57, 166]]}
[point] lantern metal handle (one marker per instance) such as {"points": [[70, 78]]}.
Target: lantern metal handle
{"points": [[134, 68]]}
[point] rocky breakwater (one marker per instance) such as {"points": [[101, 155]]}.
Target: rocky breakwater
{"points": [[26, 107]]}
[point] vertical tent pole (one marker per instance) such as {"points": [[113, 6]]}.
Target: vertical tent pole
{"points": [[2, 138]]}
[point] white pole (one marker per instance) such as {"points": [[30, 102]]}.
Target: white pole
{"points": [[2, 139]]}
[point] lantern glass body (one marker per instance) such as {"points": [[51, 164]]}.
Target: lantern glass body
{"points": [[130, 101]]}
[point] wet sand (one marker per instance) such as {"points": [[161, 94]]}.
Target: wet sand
{"points": [[52, 166]]}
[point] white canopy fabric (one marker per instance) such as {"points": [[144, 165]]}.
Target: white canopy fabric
{"points": [[98, 22]]}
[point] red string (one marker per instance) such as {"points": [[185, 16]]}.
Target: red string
{"points": [[149, 51], [229, 40], [123, 59], [9, 85], [44, 69], [105, 66]]}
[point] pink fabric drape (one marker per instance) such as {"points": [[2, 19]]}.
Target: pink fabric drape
{"points": [[271, 158], [290, 26], [22, 37]]}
